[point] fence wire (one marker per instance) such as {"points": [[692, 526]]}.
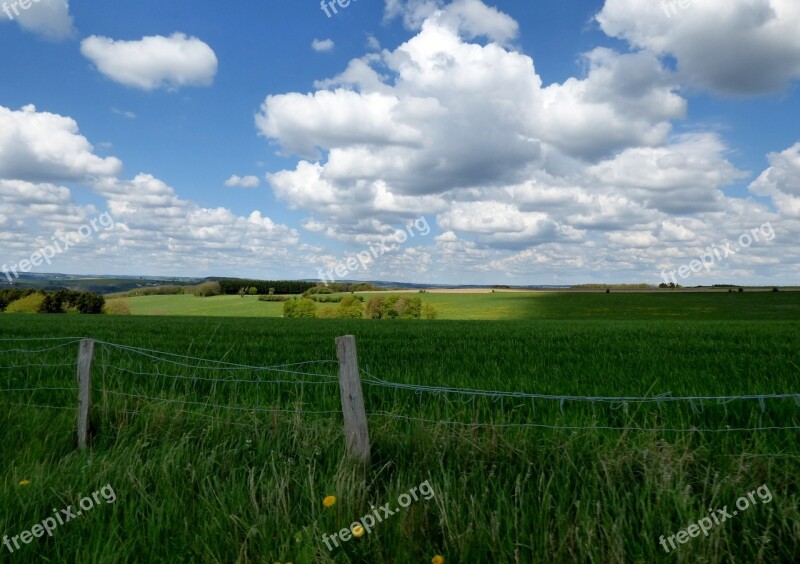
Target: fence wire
{"points": [[465, 395]]}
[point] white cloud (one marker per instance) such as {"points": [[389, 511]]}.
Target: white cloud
{"points": [[153, 62], [49, 19], [321, 45], [546, 181], [739, 48], [44, 147], [243, 181], [781, 181]]}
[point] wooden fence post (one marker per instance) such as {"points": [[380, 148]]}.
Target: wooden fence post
{"points": [[355, 416], [85, 359]]}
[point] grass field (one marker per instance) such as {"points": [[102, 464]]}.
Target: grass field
{"points": [[523, 305], [198, 481]]}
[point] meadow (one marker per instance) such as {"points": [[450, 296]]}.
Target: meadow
{"points": [[718, 305], [219, 463]]}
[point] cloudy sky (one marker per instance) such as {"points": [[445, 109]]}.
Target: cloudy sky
{"points": [[543, 142]]}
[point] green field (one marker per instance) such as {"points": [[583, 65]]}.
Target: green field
{"points": [[523, 305], [203, 474]]}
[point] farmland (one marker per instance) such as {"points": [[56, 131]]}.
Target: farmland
{"points": [[199, 481], [718, 305]]}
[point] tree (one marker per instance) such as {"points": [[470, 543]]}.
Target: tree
{"points": [[409, 308], [300, 308], [350, 308], [241, 292], [429, 312], [252, 290], [374, 307]]}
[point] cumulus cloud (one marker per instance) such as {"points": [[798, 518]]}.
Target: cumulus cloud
{"points": [[469, 18], [153, 62], [781, 181], [322, 45], [242, 182], [735, 48], [49, 19], [45, 147], [524, 178], [154, 227]]}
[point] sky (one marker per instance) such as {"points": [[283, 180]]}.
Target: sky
{"points": [[432, 141]]}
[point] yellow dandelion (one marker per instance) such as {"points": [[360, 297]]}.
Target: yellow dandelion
{"points": [[25, 483], [358, 531], [329, 501], [438, 559]]}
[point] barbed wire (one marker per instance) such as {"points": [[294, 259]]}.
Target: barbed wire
{"points": [[41, 365], [666, 397], [582, 428], [219, 380], [75, 389], [36, 339], [32, 351], [228, 365], [218, 406]]}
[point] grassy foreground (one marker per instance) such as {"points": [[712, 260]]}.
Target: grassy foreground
{"points": [[197, 482]]}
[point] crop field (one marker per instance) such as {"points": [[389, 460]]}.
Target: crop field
{"points": [[229, 463], [717, 305]]}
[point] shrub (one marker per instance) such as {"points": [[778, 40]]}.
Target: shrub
{"points": [[117, 306], [741, 290], [328, 312], [271, 298], [374, 308], [28, 304], [300, 308], [350, 307], [252, 290], [207, 289], [409, 308], [429, 312]]}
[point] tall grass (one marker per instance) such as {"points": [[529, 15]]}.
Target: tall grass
{"points": [[197, 481]]}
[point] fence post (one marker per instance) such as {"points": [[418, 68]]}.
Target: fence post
{"points": [[355, 416], [85, 358]]}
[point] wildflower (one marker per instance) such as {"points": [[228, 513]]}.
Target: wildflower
{"points": [[438, 559], [329, 501], [25, 483], [358, 531]]}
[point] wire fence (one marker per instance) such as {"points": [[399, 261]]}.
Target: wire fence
{"points": [[40, 373]]}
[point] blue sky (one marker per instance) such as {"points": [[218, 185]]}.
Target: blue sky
{"points": [[542, 142]]}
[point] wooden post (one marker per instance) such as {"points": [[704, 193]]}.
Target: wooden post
{"points": [[355, 416], [85, 358]]}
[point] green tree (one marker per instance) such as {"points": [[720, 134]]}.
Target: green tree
{"points": [[252, 290], [300, 308], [350, 308], [409, 308], [374, 307]]}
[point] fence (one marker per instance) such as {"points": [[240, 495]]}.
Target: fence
{"points": [[508, 408]]}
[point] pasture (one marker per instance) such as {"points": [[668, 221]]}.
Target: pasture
{"points": [[220, 463], [716, 305]]}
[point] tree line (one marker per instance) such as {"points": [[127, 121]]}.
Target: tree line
{"points": [[62, 301]]}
